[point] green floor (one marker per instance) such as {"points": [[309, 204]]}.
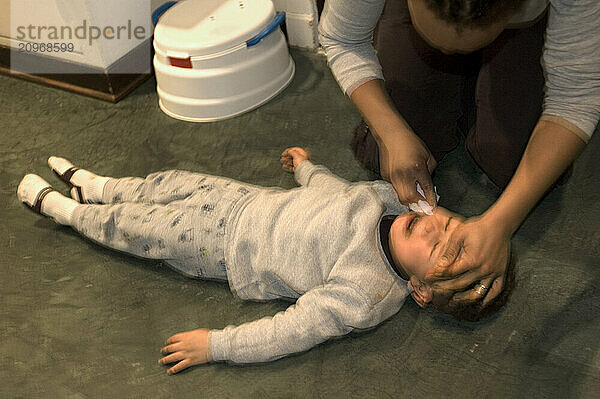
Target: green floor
{"points": [[81, 321]]}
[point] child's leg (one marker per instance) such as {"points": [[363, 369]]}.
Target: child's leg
{"points": [[190, 238], [39, 196], [159, 188], [86, 187], [186, 240], [188, 234]]}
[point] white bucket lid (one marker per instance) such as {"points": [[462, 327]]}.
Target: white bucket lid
{"points": [[203, 27]]}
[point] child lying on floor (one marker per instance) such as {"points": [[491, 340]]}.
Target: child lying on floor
{"points": [[348, 254]]}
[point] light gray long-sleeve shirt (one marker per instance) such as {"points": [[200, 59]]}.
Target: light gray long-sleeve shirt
{"points": [[319, 244], [571, 56]]}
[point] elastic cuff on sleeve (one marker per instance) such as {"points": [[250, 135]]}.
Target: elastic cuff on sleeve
{"points": [[209, 357], [303, 172], [219, 346]]}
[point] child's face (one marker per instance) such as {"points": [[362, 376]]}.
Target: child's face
{"points": [[417, 240]]}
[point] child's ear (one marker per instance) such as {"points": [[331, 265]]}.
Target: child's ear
{"points": [[421, 292]]}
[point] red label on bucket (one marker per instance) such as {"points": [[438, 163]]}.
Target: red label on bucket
{"points": [[181, 62]]}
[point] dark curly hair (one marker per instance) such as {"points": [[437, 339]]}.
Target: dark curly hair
{"points": [[472, 13], [475, 311]]}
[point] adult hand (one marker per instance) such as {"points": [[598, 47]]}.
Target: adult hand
{"points": [[291, 158], [477, 252], [405, 162], [186, 349]]}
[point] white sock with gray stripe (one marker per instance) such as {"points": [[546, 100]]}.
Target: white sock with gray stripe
{"points": [[92, 185], [54, 204]]}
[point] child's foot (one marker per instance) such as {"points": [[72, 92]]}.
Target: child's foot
{"points": [[40, 197], [86, 187]]}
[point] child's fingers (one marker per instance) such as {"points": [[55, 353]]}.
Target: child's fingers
{"points": [[295, 152], [292, 157], [174, 338], [287, 163], [172, 358], [286, 152], [302, 152], [171, 348], [298, 151], [182, 365]]}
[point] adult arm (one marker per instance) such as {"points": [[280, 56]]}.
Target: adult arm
{"points": [[484, 240], [571, 62], [346, 34], [404, 158]]}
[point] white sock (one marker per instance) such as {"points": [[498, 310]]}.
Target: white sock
{"points": [[59, 207], [54, 204], [91, 184]]}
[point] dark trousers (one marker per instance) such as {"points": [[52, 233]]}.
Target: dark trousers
{"points": [[493, 96]]}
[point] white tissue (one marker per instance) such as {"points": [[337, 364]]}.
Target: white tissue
{"points": [[423, 206]]}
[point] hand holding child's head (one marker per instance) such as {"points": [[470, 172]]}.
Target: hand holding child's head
{"points": [[416, 243], [292, 157]]}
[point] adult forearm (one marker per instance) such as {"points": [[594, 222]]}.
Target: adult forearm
{"points": [[377, 108], [403, 157], [551, 149]]}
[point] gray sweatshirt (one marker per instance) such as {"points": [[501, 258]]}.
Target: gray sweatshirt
{"points": [[317, 244], [571, 57]]}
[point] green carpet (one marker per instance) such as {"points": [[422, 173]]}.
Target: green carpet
{"points": [[79, 321]]}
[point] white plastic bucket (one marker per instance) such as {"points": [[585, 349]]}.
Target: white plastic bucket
{"points": [[215, 59]]}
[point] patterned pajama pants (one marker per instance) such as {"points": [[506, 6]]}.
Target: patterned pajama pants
{"points": [[176, 216]]}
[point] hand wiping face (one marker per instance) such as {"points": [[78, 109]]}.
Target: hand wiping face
{"points": [[422, 206]]}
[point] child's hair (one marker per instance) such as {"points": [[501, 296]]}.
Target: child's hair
{"points": [[475, 311]]}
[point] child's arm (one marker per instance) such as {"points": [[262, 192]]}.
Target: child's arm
{"points": [[297, 160], [322, 313], [325, 312]]}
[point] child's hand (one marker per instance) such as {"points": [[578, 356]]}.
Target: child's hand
{"points": [[186, 349], [291, 158]]}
